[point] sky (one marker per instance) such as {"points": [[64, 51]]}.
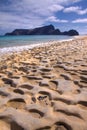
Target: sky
{"points": [[27, 14]]}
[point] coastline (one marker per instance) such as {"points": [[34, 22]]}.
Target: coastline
{"points": [[5, 50], [44, 86], [20, 48]]}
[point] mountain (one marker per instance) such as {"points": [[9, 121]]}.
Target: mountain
{"points": [[70, 33], [45, 30]]}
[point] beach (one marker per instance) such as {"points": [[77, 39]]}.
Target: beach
{"points": [[44, 87]]}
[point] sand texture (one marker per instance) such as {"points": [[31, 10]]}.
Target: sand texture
{"points": [[45, 88]]}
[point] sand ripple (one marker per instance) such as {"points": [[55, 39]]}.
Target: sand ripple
{"points": [[45, 88]]}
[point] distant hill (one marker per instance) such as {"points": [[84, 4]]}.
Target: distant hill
{"points": [[45, 30]]}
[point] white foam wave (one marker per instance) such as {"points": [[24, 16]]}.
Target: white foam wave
{"points": [[10, 50]]}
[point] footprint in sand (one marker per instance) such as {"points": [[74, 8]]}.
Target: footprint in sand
{"points": [[61, 126], [19, 91], [17, 103], [36, 113], [45, 128], [9, 81]]}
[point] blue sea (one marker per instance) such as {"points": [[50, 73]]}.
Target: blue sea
{"points": [[12, 41]]}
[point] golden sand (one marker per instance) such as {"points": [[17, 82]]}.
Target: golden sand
{"points": [[45, 88]]}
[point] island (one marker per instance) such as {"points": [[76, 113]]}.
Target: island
{"points": [[45, 30]]}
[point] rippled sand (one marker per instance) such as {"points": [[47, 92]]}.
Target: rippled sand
{"points": [[45, 88]]}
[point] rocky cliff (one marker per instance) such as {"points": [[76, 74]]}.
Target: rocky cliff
{"points": [[45, 30]]}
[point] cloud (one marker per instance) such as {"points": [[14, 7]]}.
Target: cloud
{"points": [[84, 20], [27, 13], [81, 12], [54, 19], [71, 9], [40, 7], [30, 13], [75, 1], [11, 22], [75, 9], [55, 8]]}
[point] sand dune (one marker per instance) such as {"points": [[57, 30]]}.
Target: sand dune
{"points": [[45, 88]]}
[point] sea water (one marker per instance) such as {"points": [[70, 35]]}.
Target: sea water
{"points": [[10, 44], [11, 41]]}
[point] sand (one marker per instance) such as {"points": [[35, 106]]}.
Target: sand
{"points": [[45, 88]]}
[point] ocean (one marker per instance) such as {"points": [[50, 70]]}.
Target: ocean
{"points": [[11, 41], [10, 44]]}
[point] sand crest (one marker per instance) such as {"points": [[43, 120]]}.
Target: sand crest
{"points": [[45, 88]]}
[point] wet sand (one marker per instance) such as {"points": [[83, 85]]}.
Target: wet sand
{"points": [[45, 88]]}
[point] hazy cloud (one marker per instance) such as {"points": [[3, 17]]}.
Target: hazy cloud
{"points": [[54, 19], [32, 13], [84, 20], [55, 8], [75, 9]]}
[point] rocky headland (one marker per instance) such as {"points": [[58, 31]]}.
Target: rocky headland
{"points": [[46, 30]]}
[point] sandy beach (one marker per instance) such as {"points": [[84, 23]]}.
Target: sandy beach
{"points": [[45, 87]]}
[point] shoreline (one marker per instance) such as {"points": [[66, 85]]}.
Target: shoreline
{"points": [[6, 50]]}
